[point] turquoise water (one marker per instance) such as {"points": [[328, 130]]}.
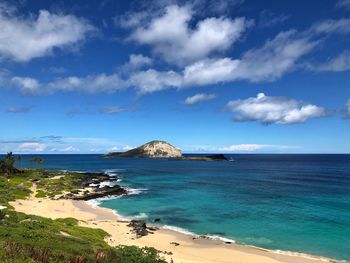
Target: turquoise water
{"points": [[297, 203]]}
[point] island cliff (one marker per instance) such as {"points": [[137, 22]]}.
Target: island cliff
{"points": [[153, 149]]}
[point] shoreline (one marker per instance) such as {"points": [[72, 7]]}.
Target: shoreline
{"points": [[181, 247], [217, 239]]}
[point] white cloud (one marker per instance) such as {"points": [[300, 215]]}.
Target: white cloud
{"points": [[278, 110], [26, 85], [340, 26], [18, 109], [139, 60], [112, 109], [171, 36], [343, 4], [267, 63], [151, 80], [23, 39], [32, 147], [136, 61], [347, 109], [210, 71], [91, 84], [337, 64], [121, 148], [70, 149], [252, 147], [200, 97], [275, 58]]}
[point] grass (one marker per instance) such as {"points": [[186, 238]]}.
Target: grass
{"points": [[28, 238]]}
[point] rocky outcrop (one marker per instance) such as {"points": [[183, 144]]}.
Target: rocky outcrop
{"points": [[91, 187], [153, 149], [139, 227], [99, 193]]}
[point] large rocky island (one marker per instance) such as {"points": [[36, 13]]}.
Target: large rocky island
{"points": [[161, 149], [152, 149]]}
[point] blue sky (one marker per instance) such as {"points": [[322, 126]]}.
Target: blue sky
{"points": [[237, 76]]}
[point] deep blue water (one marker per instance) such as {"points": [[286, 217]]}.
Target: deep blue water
{"points": [[297, 203]]}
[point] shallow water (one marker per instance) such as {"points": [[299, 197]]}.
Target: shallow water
{"points": [[296, 203]]}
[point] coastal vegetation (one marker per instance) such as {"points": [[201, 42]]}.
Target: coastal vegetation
{"points": [[29, 238]]}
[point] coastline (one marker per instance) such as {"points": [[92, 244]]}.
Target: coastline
{"points": [[181, 247]]}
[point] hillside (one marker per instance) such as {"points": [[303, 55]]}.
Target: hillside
{"points": [[153, 149]]}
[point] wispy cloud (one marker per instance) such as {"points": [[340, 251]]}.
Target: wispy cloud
{"points": [[254, 147], [277, 110], [71, 149], [32, 147], [347, 109], [61, 144], [91, 84], [343, 4], [200, 97], [18, 109], [112, 109], [332, 26], [336, 64], [268, 19], [239, 148]]}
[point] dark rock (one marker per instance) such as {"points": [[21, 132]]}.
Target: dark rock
{"points": [[152, 228], [157, 220], [106, 191], [139, 228], [175, 244]]}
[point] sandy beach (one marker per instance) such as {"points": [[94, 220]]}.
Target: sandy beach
{"points": [[180, 247]]}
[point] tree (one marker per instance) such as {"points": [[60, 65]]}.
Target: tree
{"points": [[7, 165]]}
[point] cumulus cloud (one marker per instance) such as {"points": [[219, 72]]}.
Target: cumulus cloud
{"points": [[136, 61], [267, 63], [32, 147], [210, 71], [171, 36], [152, 80], [22, 39], [91, 84], [18, 109], [200, 97], [278, 110], [337, 64]]}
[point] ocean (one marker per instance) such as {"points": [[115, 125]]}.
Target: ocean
{"points": [[298, 203]]}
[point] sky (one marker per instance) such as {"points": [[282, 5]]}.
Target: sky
{"points": [[234, 76]]}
